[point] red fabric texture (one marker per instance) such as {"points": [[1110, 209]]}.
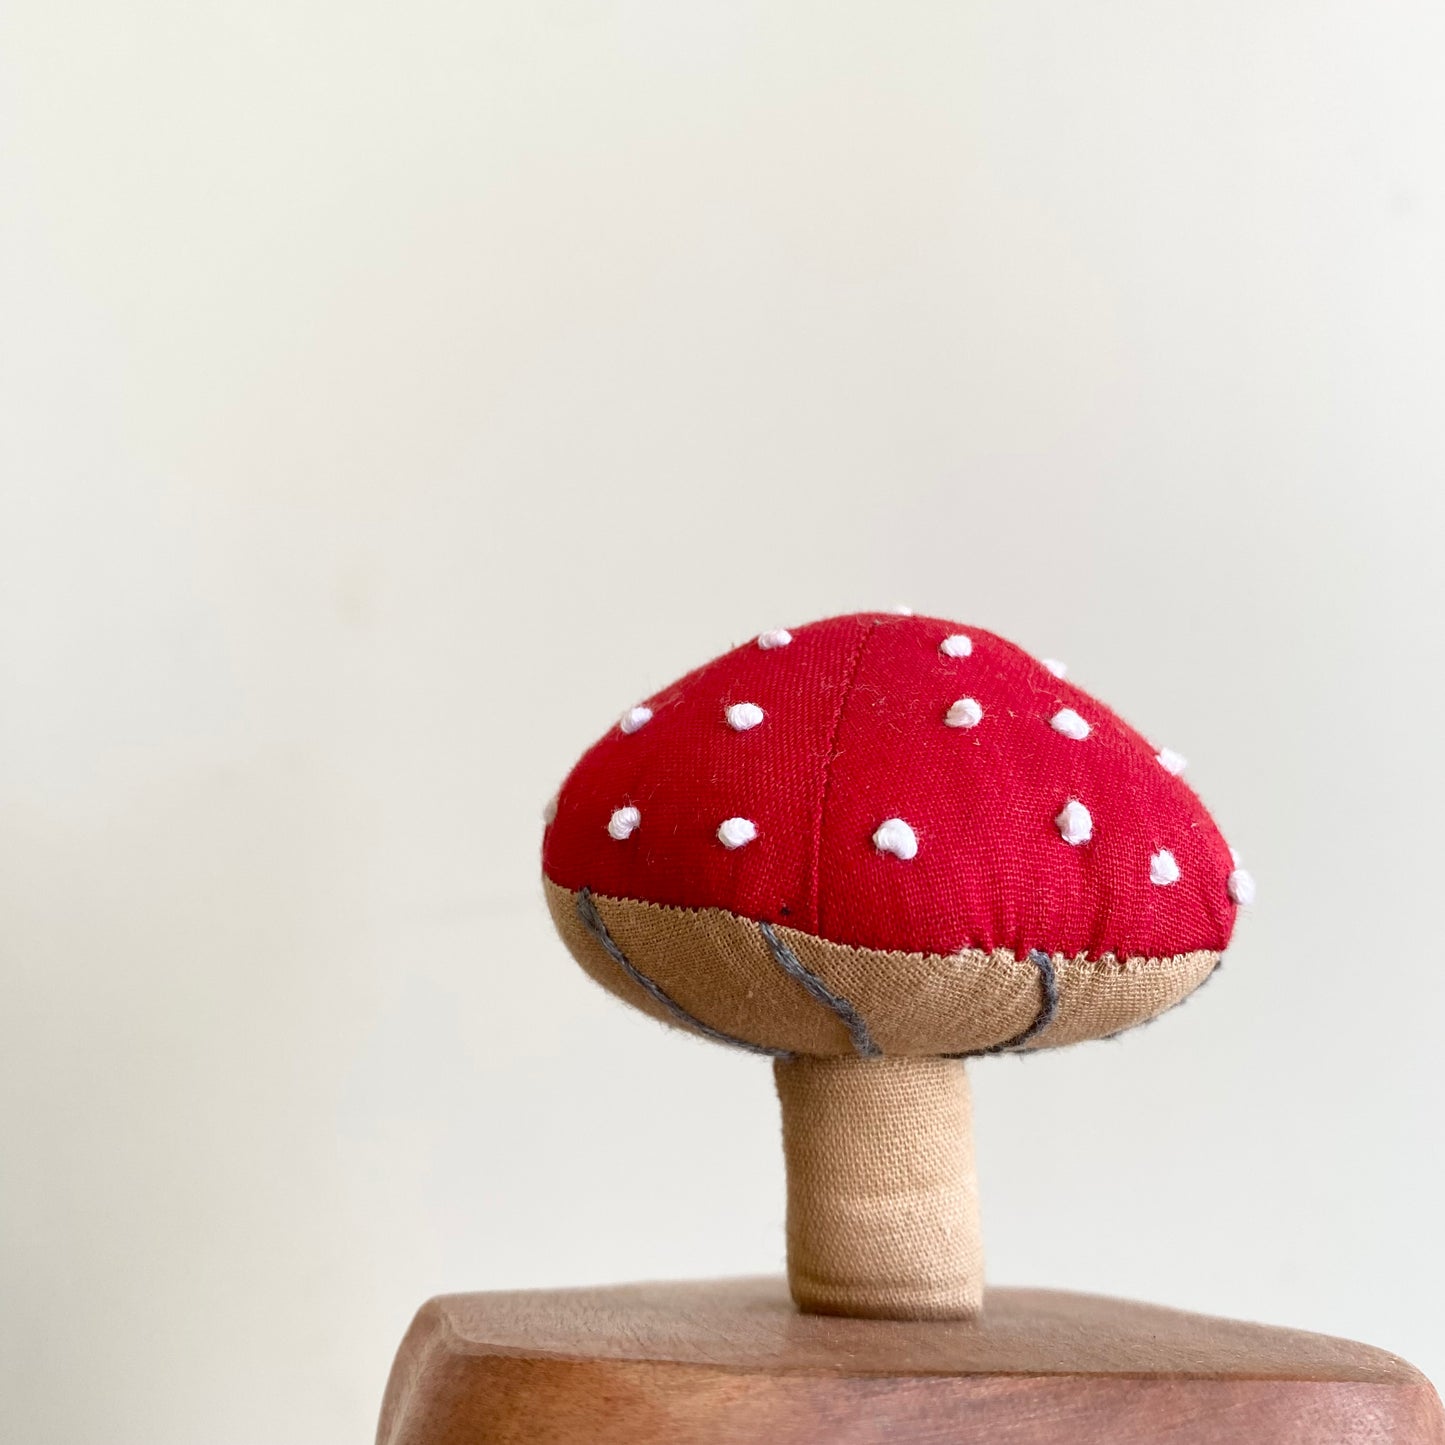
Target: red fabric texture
{"points": [[853, 734]]}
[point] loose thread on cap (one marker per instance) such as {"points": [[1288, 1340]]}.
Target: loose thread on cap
{"points": [[592, 922], [789, 962]]}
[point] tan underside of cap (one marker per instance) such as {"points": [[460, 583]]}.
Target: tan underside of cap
{"points": [[717, 968]]}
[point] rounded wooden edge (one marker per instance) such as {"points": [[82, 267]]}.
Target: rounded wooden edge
{"points": [[719, 971], [719, 1362]]}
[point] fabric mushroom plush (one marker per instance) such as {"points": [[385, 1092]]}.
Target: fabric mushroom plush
{"points": [[871, 848]]}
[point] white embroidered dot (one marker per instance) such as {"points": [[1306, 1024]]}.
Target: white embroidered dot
{"points": [[1163, 868], [734, 832], [549, 811], [1241, 886], [623, 823], [779, 638], [1171, 761], [956, 646], [1068, 722], [901, 610], [965, 713], [1235, 858], [896, 837], [634, 718], [1074, 823], [744, 715], [1053, 665]]}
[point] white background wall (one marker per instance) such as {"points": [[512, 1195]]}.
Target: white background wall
{"points": [[391, 394]]}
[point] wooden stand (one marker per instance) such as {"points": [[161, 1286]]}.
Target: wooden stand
{"points": [[732, 1362]]}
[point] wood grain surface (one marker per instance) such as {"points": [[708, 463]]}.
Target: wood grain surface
{"points": [[731, 1361]]}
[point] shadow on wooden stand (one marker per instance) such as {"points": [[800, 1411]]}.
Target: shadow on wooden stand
{"points": [[704, 1363]]}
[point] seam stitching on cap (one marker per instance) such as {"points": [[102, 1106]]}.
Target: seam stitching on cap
{"points": [[815, 882], [1111, 962]]}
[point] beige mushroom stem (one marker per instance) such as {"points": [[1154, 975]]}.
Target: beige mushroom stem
{"points": [[882, 1197]]}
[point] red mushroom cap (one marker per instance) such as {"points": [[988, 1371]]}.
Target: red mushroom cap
{"points": [[897, 783]]}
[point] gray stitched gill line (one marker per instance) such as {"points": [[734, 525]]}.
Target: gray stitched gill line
{"points": [[789, 962], [592, 922], [1049, 987], [1049, 984]]}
